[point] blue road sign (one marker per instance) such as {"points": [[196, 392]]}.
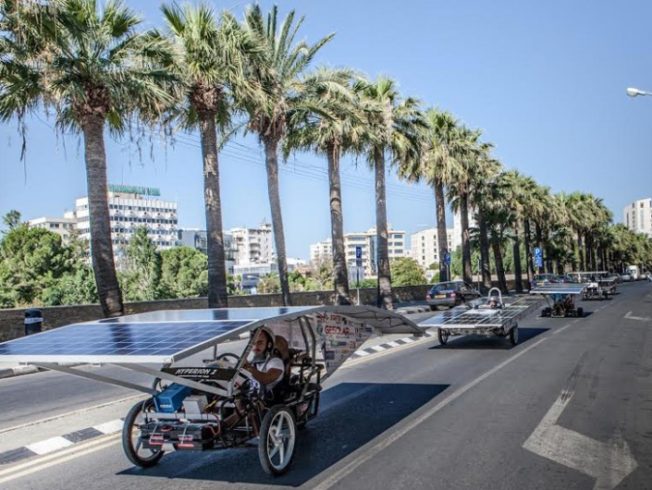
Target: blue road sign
{"points": [[447, 258], [537, 252], [358, 256], [538, 261]]}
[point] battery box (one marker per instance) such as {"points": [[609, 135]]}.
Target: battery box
{"points": [[171, 399]]}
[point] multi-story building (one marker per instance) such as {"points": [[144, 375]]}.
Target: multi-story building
{"points": [[638, 216], [131, 208], [424, 246], [253, 245], [321, 252], [62, 226], [366, 240], [197, 239]]}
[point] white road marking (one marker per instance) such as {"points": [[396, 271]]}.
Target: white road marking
{"points": [[408, 340], [110, 427], [609, 463], [49, 445], [629, 316], [393, 344], [33, 466], [382, 441], [361, 353], [378, 348]]}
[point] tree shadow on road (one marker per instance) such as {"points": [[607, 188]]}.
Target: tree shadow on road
{"points": [[352, 415], [479, 342]]}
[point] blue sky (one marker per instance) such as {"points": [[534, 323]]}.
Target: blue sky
{"points": [[545, 81]]}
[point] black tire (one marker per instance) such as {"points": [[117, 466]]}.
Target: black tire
{"points": [[129, 431], [580, 312], [433, 308], [546, 312], [442, 335], [513, 335], [278, 418]]}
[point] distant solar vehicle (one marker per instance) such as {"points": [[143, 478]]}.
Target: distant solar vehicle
{"points": [[219, 403], [491, 317], [561, 299]]}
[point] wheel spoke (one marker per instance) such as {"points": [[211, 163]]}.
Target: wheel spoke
{"points": [[282, 450], [273, 452]]}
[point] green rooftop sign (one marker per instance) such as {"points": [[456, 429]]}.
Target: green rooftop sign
{"points": [[133, 189]]}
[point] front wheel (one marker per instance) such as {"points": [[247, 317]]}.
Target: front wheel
{"points": [[442, 335], [132, 444], [513, 335], [278, 434]]}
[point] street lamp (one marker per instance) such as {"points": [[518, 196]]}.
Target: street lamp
{"points": [[634, 92]]}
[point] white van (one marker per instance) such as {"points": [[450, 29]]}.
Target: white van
{"points": [[633, 271]]}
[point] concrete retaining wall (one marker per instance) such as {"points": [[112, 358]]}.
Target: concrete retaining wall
{"points": [[11, 320]]}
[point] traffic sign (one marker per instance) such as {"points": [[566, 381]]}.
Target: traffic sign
{"points": [[358, 256], [538, 261], [447, 258], [537, 252]]}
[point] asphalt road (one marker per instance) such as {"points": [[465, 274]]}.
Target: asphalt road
{"points": [[569, 407]]}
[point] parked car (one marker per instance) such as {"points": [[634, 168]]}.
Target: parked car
{"points": [[625, 277], [450, 294]]}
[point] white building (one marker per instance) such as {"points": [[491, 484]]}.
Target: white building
{"points": [[366, 240], [253, 245], [131, 208], [638, 216], [62, 226], [424, 246], [321, 252]]}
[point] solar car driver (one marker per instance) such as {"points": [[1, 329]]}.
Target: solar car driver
{"points": [[265, 366]]}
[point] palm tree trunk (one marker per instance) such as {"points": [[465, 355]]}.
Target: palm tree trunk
{"points": [[484, 250], [341, 278], [384, 276], [498, 258], [580, 252], [466, 239], [516, 250], [217, 291], [271, 163], [442, 234], [528, 252], [106, 279]]}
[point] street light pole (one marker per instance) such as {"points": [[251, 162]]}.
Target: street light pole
{"points": [[635, 92]]}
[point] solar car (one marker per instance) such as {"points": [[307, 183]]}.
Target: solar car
{"points": [[215, 403], [561, 299]]}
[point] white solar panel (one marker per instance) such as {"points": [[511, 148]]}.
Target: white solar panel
{"points": [[560, 288]]}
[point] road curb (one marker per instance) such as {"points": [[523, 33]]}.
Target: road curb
{"points": [[376, 349], [18, 371], [53, 444]]}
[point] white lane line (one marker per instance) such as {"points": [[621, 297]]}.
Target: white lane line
{"points": [[45, 462], [49, 445], [629, 316], [110, 427], [67, 414], [383, 440]]}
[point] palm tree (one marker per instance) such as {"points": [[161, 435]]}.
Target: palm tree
{"points": [[437, 167], [329, 121], [393, 128], [209, 66], [93, 69], [277, 74], [460, 187]]}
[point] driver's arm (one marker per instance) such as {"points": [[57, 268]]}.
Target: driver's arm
{"points": [[263, 378]]}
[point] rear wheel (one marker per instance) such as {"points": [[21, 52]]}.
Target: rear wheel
{"points": [[132, 444], [442, 335], [278, 434], [433, 308], [546, 311], [513, 335], [580, 312]]}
